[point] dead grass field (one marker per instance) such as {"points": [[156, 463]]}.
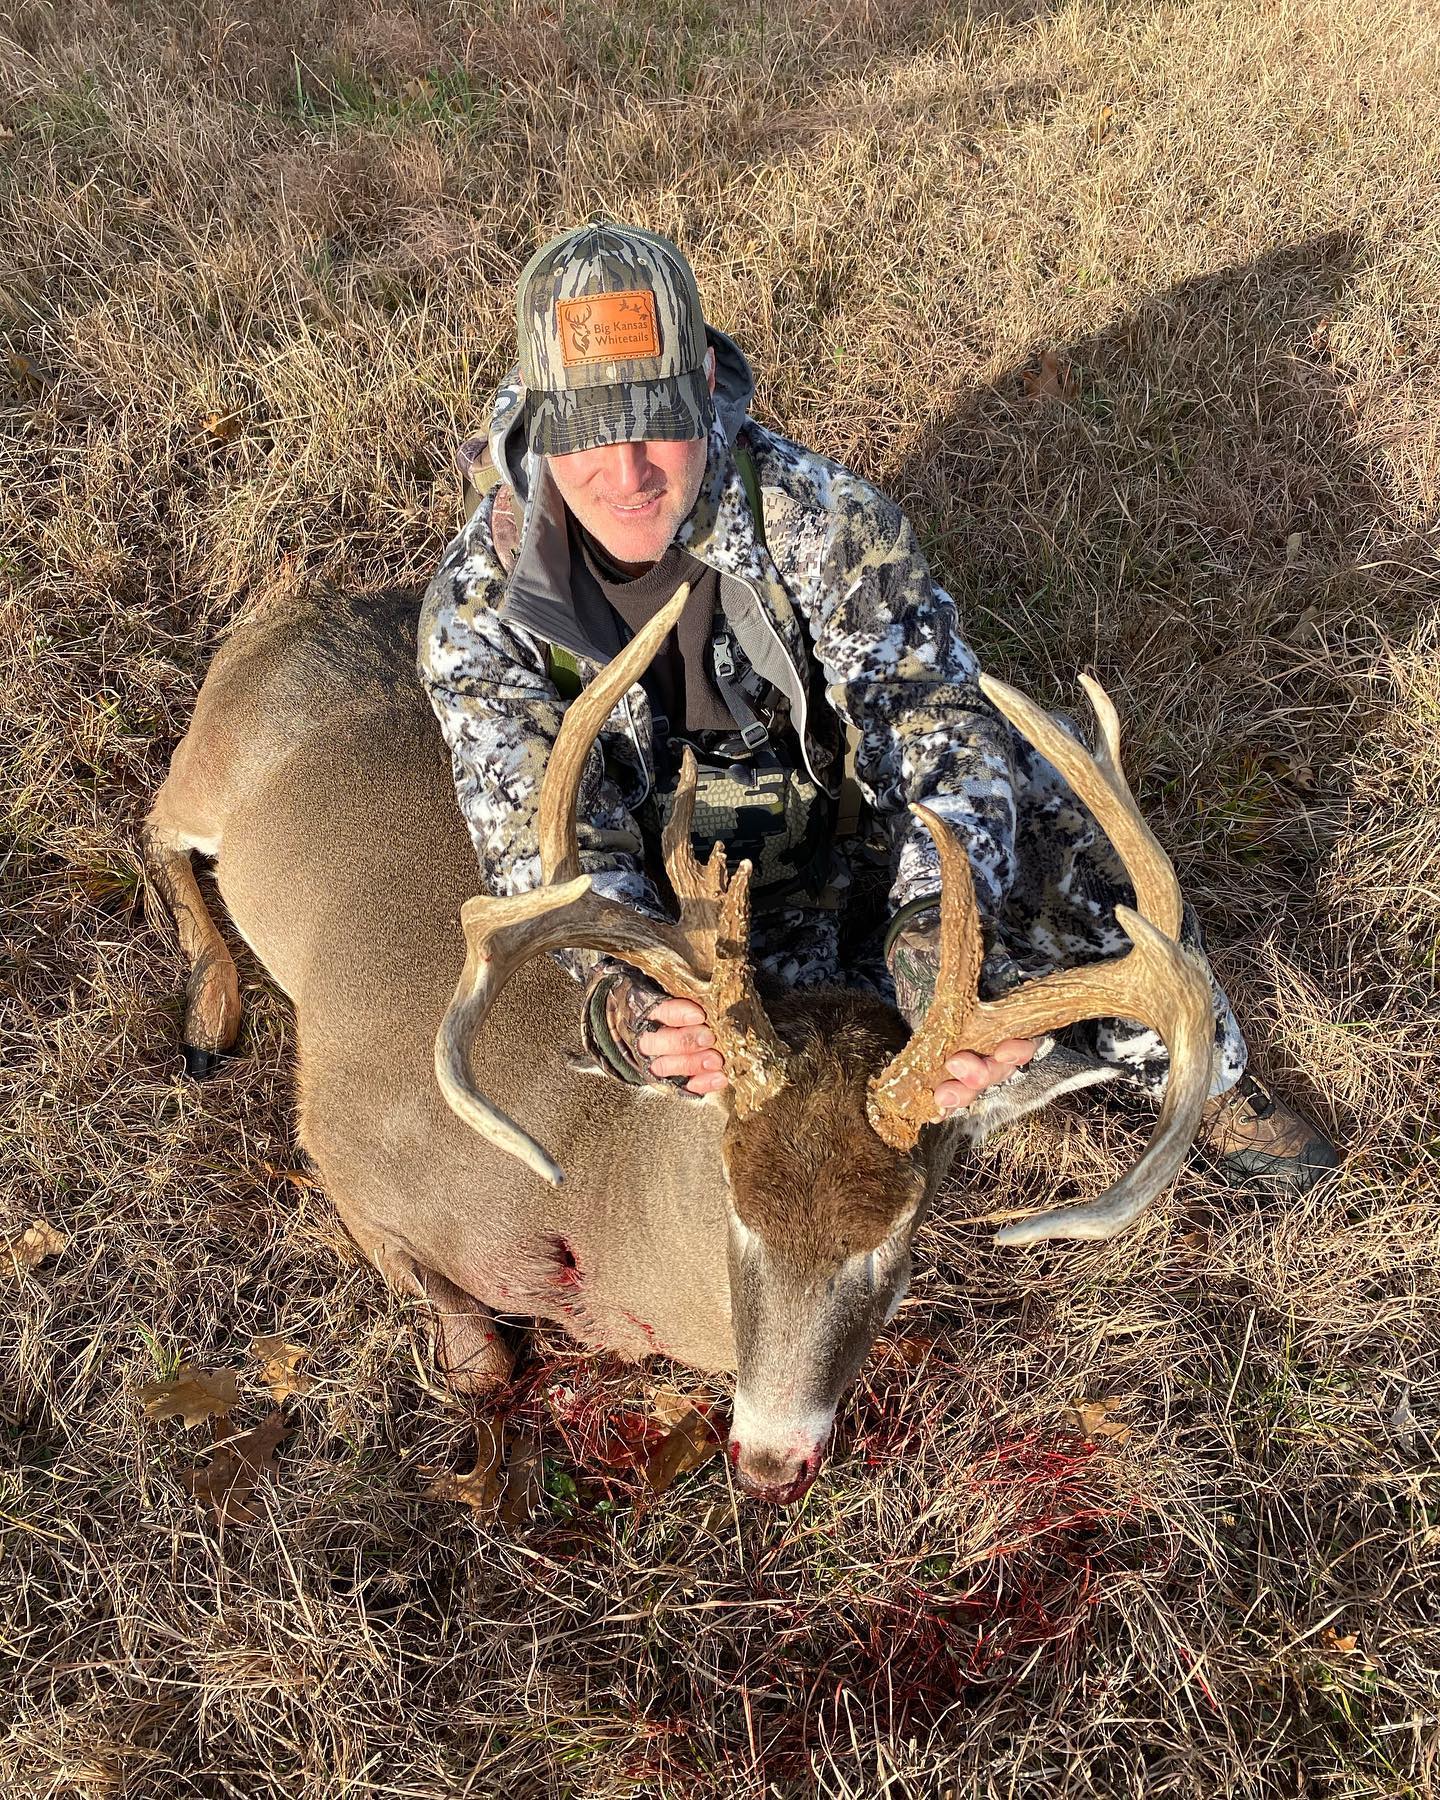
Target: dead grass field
{"points": [[256, 267]]}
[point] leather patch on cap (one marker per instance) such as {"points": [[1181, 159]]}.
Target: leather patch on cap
{"points": [[608, 327]]}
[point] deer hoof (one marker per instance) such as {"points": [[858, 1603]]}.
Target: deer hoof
{"points": [[200, 1063]]}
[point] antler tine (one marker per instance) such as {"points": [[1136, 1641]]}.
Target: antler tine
{"points": [[503, 933], [715, 920], [902, 1096], [1107, 722], [754, 1056], [1156, 982], [1100, 782], [697, 886], [582, 723]]}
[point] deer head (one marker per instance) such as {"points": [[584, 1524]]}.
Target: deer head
{"points": [[828, 1159]]}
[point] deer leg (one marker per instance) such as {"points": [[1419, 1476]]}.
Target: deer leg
{"points": [[212, 994], [468, 1344], [471, 1354]]}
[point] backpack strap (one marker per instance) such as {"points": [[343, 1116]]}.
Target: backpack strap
{"points": [[850, 808]]}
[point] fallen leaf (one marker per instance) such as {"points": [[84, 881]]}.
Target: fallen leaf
{"points": [[29, 373], [1100, 130], [692, 1442], [912, 1351], [194, 1395], [522, 1480], [228, 1480], [278, 1359], [1092, 1418], [1305, 627], [223, 425], [1053, 380], [1293, 545], [28, 1247], [1403, 1424], [296, 1177], [669, 1405], [483, 1486], [1332, 1640]]}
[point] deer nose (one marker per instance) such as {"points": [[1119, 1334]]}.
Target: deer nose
{"points": [[775, 1477]]}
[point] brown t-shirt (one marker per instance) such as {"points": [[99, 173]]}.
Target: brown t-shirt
{"points": [[679, 679]]}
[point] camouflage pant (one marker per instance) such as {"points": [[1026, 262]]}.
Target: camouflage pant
{"points": [[1060, 912]]}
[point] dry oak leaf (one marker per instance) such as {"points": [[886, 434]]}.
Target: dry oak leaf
{"points": [[228, 1480], [1100, 130], [194, 1395], [669, 1405], [1092, 1417], [1053, 380], [278, 1358], [28, 1247], [912, 1351], [688, 1445], [1332, 1640], [483, 1486], [223, 425]]}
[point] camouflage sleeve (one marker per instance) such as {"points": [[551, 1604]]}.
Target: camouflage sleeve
{"points": [[499, 712], [898, 671]]}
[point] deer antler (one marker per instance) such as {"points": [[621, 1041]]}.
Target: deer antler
{"points": [[1156, 981], [702, 958]]}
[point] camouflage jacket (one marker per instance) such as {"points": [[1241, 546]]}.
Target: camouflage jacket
{"points": [[833, 604]]}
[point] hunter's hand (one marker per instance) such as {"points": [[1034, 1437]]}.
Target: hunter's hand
{"points": [[676, 1041], [972, 1073]]}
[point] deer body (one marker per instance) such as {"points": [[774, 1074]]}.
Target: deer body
{"points": [[343, 862], [765, 1230]]}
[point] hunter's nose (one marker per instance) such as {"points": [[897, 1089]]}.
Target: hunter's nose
{"points": [[628, 468], [778, 1478]]}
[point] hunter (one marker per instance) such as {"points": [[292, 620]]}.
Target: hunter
{"points": [[818, 673]]}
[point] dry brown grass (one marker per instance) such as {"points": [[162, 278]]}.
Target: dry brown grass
{"points": [[311, 216]]}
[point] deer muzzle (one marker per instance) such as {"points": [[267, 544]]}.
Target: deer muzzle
{"points": [[777, 1459]]}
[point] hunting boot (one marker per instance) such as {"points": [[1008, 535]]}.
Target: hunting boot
{"points": [[1256, 1137]]}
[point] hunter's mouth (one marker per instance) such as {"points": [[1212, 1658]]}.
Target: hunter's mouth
{"points": [[635, 509]]}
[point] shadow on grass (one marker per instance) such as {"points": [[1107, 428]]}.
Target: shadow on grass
{"points": [[1179, 502]]}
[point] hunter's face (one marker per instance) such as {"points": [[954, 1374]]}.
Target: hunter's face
{"points": [[632, 498]]}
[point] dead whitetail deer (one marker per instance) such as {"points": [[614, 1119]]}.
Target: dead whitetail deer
{"points": [[765, 1231]]}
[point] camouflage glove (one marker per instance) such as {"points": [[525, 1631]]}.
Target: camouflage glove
{"points": [[912, 955], [618, 1005]]}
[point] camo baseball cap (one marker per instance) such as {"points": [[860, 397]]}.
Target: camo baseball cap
{"points": [[612, 341]]}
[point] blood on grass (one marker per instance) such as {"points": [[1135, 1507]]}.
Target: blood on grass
{"points": [[1048, 1539], [590, 1412]]}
